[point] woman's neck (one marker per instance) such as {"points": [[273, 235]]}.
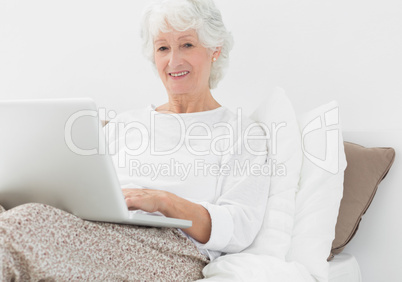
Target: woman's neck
{"points": [[186, 103]]}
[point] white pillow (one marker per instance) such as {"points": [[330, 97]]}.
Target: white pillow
{"points": [[320, 189], [317, 200], [277, 115]]}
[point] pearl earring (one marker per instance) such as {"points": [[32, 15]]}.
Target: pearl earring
{"points": [[214, 59]]}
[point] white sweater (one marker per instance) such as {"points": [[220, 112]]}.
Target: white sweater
{"points": [[202, 157]]}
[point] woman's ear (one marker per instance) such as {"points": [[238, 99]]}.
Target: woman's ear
{"points": [[216, 53]]}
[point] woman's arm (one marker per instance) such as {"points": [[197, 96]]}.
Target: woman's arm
{"points": [[174, 206]]}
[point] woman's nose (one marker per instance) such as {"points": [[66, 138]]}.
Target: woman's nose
{"points": [[175, 59]]}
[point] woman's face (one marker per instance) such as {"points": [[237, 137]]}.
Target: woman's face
{"points": [[182, 62]]}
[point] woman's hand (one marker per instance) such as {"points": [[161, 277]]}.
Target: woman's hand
{"points": [[144, 199], [170, 205]]}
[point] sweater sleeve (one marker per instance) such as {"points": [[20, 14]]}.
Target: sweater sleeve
{"points": [[238, 212]]}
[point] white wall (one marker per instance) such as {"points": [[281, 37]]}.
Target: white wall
{"points": [[317, 50]]}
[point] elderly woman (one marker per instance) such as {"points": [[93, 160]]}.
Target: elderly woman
{"points": [[209, 161]]}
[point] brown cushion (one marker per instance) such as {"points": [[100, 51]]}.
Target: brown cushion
{"points": [[104, 122], [366, 168]]}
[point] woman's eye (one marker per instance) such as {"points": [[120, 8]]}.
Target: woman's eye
{"points": [[188, 45], [162, 48]]}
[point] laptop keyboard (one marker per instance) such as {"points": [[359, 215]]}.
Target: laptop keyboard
{"points": [[133, 213]]}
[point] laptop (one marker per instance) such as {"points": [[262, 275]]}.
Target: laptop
{"points": [[54, 152]]}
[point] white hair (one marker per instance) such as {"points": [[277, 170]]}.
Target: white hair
{"points": [[181, 15]]}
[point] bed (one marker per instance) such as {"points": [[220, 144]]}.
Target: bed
{"points": [[344, 268]]}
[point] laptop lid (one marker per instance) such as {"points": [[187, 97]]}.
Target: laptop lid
{"points": [[50, 152]]}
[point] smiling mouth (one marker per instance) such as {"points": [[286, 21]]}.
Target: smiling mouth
{"points": [[178, 74]]}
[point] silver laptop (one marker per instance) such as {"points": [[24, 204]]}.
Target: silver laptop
{"points": [[53, 152]]}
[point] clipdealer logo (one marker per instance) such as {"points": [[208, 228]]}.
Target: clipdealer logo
{"points": [[329, 123], [235, 135]]}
